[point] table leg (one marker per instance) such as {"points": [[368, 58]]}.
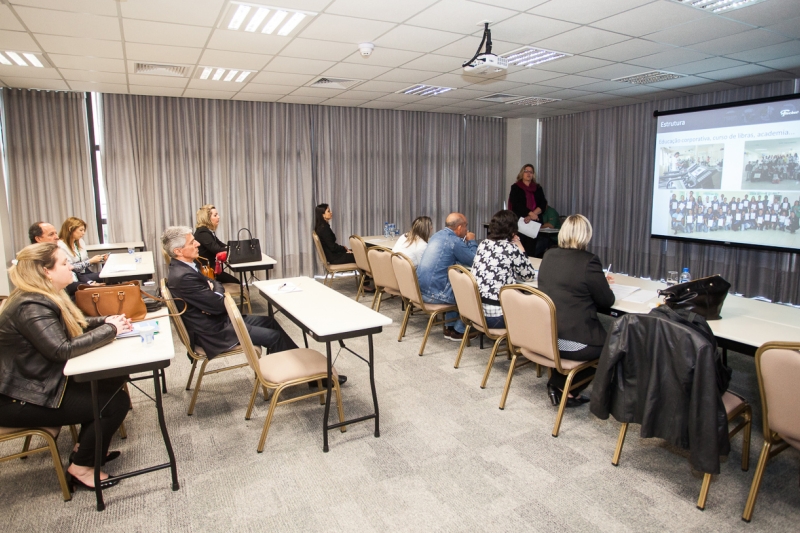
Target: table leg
{"points": [[372, 386], [327, 399], [98, 447], [162, 423], [241, 292], [305, 338]]}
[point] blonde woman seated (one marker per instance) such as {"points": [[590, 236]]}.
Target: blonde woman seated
{"points": [[573, 278], [414, 242], [210, 245], [72, 231]]}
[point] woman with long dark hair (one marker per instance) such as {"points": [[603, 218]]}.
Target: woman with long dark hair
{"points": [[526, 199], [335, 253]]}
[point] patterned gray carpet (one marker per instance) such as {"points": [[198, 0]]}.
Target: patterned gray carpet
{"points": [[447, 459]]}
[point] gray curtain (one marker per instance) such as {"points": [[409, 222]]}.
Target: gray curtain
{"points": [[600, 164], [49, 171]]}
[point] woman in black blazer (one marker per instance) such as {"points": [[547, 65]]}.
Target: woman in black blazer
{"points": [[526, 199], [335, 253], [573, 278], [210, 245]]}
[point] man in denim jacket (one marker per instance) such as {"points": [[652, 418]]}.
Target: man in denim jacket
{"points": [[453, 245]]}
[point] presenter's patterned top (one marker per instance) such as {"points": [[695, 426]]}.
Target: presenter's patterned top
{"points": [[498, 263]]}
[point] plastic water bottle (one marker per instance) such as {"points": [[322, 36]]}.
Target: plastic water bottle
{"points": [[386, 230], [685, 276]]}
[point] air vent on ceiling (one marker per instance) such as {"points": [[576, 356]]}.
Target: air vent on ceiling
{"points": [[653, 76], [154, 69], [334, 83], [534, 100], [500, 98]]}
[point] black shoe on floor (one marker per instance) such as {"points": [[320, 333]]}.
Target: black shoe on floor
{"points": [[555, 398], [313, 384], [110, 457]]}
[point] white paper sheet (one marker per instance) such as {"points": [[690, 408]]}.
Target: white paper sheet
{"points": [[641, 296], [120, 268], [531, 229], [621, 292], [281, 288]]}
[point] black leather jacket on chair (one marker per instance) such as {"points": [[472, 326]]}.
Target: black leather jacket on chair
{"points": [[658, 371], [34, 348]]}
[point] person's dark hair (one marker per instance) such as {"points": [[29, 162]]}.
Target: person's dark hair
{"points": [[319, 221], [503, 226], [35, 231]]}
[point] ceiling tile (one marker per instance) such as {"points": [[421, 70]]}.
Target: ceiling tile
{"points": [[357, 94], [525, 28], [466, 47], [83, 75], [384, 57], [301, 99], [403, 99], [783, 64], [345, 29], [650, 18], [142, 31], [382, 86], [17, 40], [87, 63], [788, 27], [448, 80], [584, 11], [16, 71], [252, 97], [706, 65], [327, 50], [386, 11], [434, 63], [765, 13], [317, 92], [460, 17], [260, 88], [90, 87], [8, 21], [776, 51], [80, 47], [35, 83], [346, 102], [611, 72], [573, 64], [636, 90], [195, 12], [568, 82], [707, 87], [78, 6], [567, 93], [211, 85], [380, 105], [737, 43], [603, 86], [627, 50], [352, 70], [598, 97], [157, 81], [681, 83], [416, 39], [406, 75], [242, 41], [675, 56], [418, 107], [155, 91], [531, 75], [218, 58], [279, 78], [213, 95], [736, 72], [69, 24], [580, 40], [162, 54], [495, 85], [696, 31], [298, 66]]}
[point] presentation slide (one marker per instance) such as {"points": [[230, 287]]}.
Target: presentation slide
{"points": [[729, 175]]}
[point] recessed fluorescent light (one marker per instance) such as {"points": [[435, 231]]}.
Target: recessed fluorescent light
{"points": [[718, 6], [223, 74], [242, 76], [218, 74], [257, 19], [4, 60], [424, 90], [238, 17], [18, 60], [653, 76], [291, 24], [206, 73], [534, 100], [33, 60], [528, 56], [273, 23], [231, 74]]}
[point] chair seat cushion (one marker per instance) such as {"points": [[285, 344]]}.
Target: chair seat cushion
{"points": [[432, 308], [393, 292], [294, 364], [494, 332], [566, 364], [731, 401], [342, 268], [7, 431]]}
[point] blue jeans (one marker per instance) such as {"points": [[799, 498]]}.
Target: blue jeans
{"points": [[450, 316], [496, 322]]}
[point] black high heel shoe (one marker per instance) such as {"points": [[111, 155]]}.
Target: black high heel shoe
{"points": [[73, 483], [555, 398], [109, 457], [555, 395]]}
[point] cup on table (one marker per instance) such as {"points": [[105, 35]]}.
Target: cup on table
{"points": [[672, 278], [131, 250], [147, 333]]}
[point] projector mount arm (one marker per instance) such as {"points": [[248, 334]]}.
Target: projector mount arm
{"points": [[487, 38]]}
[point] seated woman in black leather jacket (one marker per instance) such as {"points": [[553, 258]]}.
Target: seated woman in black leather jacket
{"points": [[210, 245], [40, 329]]}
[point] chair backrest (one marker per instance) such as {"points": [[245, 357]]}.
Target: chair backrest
{"points": [[530, 320], [244, 337], [320, 251], [468, 298], [165, 255], [778, 369], [177, 321], [406, 276], [359, 248], [380, 259]]}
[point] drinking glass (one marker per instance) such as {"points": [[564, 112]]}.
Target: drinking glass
{"points": [[672, 278]]}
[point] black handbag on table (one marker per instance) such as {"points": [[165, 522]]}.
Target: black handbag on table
{"points": [[703, 296], [244, 251]]}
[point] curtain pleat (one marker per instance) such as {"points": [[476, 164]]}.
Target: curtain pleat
{"points": [[600, 164], [49, 171]]}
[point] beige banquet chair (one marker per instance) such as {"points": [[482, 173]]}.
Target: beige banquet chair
{"points": [[778, 371], [332, 270], [359, 248], [532, 333], [233, 288], [282, 370], [49, 435], [197, 354], [470, 307], [380, 259], [409, 288]]}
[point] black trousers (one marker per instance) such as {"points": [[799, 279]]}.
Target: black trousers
{"points": [[559, 380], [265, 331], [224, 277], [76, 408]]}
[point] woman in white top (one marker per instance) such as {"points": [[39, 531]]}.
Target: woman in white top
{"points": [[72, 231], [415, 241]]}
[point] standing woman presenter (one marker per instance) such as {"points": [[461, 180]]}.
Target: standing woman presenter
{"points": [[528, 202]]}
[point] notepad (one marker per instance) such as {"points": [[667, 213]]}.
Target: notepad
{"points": [[281, 288], [531, 229], [640, 296], [111, 269], [622, 291], [137, 326]]}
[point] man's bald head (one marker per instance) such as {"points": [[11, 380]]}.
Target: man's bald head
{"points": [[454, 220]]}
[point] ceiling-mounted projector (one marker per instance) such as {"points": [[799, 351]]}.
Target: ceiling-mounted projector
{"points": [[483, 63]]}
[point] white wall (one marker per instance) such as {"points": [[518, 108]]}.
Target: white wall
{"points": [[521, 146]]}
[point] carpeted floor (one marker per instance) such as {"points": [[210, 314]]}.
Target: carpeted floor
{"points": [[447, 460]]}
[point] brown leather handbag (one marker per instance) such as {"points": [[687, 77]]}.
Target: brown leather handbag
{"points": [[205, 268], [107, 300]]}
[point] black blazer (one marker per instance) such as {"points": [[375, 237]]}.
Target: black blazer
{"points": [[327, 238], [519, 204], [210, 245], [206, 318], [574, 280]]}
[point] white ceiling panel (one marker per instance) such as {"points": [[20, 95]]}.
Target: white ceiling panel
{"points": [[568, 82], [157, 81], [358, 94], [98, 7], [380, 105], [567, 93], [406, 75], [402, 99], [87, 63], [573, 64], [345, 102], [69, 24], [495, 85], [585, 11], [345, 29], [80, 47], [676, 56], [211, 95], [636, 90], [143, 31], [526, 29], [448, 80], [650, 18], [384, 57], [786, 63], [260, 88], [700, 89], [736, 72], [626, 50], [95, 76], [291, 65], [35, 83], [460, 17], [328, 50], [737, 43], [610, 72], [603, 86], [531, 75], [193, 12], [86, 86], [279, 78], [16, 71], [386, 11], [17, 40], [211, 85], [218, 58], [317, 92], [435, 63], [416, 39], [382, 86], [251, 97], [766, 13], [466, 47], [155, 91], [241, 41], [163, 54], [581, 40], [353, 70], [301, 99], [706, 65], [788, 27], [8, 21], [699, 30]]}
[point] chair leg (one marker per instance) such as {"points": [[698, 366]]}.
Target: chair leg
{"points": [[756, 485], [563, 404], [463, 343], [62, 480], [701, 501], [191, 375], [377, 297], [252, 400], [620, 441], [508, 382], [491, 361], [197, 387], [360, 290], [268, 420], [338, 392], [748, 417], [26, 444], [538, 370], [409, 307], [123, 433], [427, 332]]}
